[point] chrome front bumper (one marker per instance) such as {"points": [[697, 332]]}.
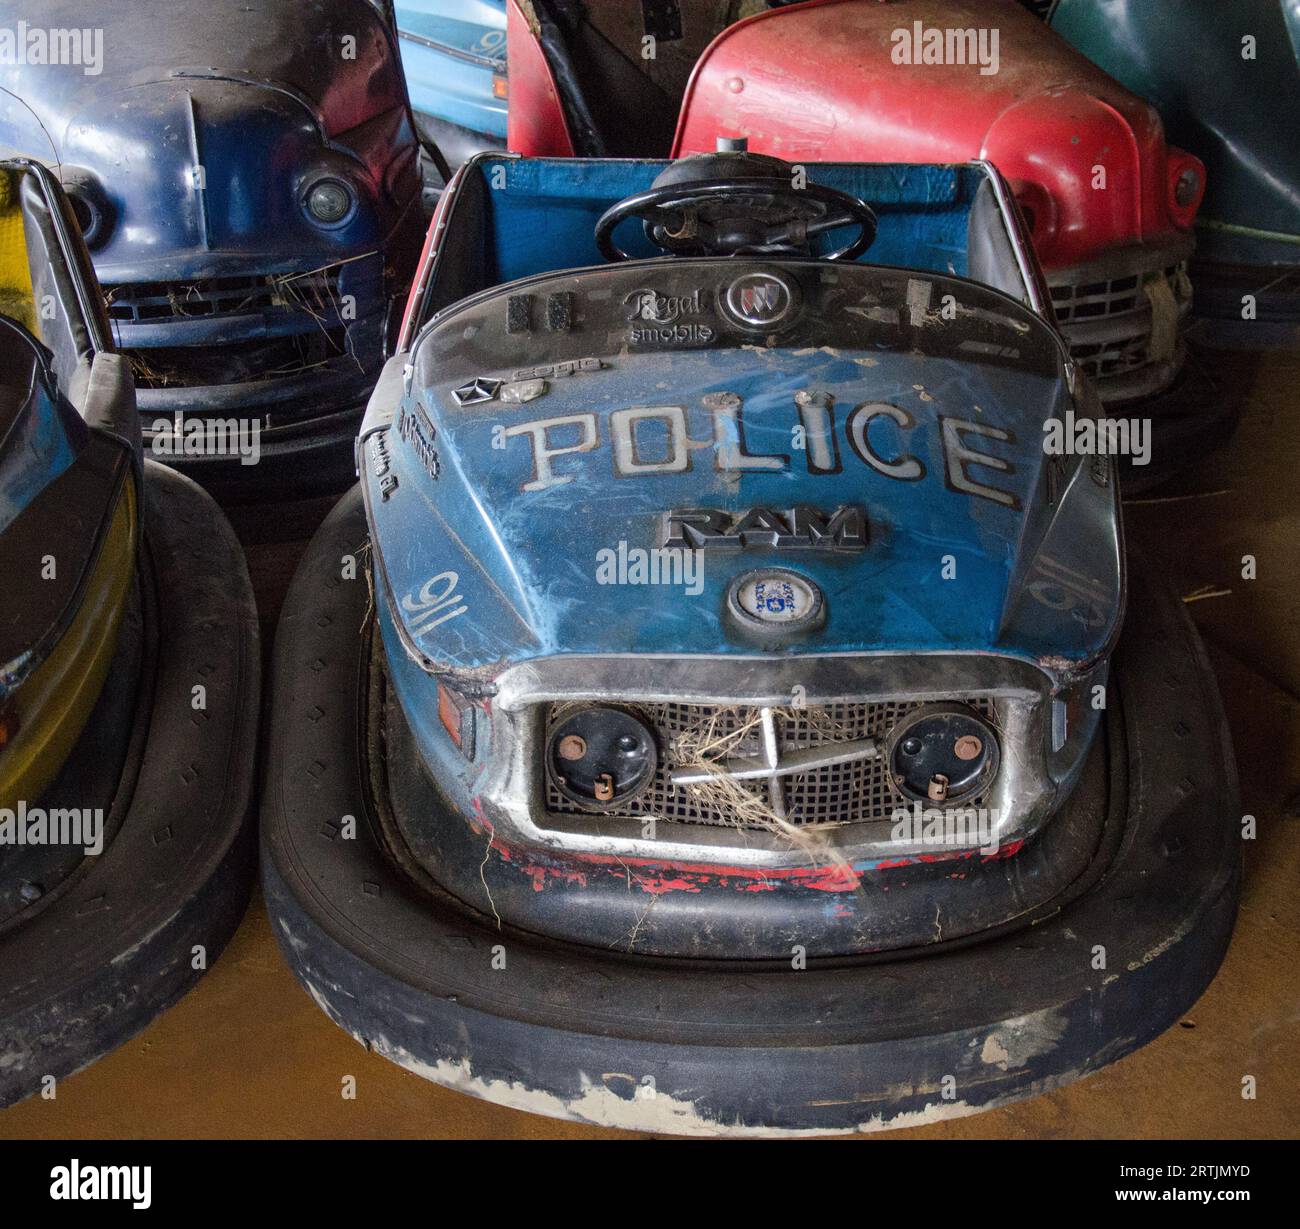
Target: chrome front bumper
{"points": [[1040, 755]]}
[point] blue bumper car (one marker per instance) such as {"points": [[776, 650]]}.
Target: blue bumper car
{"points": [[247, 182], [454, 58], [711, 714]]}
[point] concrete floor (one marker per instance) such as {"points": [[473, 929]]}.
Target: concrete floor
{"points": [[248, 1054]]}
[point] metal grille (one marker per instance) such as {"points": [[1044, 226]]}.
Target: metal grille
{"points": [[1109, 300], [239, 362], [151, 302], [855, 792]]}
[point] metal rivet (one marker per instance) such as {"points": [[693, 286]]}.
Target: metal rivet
{"points": [[572, 747], [967, 747]]}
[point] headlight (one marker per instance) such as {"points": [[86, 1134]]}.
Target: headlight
{"points": [[329, 201], [91, 210], [942, 753], [600, 756]]}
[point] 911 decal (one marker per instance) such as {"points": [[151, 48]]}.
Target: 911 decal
{"points": [[435, 603]]}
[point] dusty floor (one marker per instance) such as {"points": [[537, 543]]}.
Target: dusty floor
{"points": [[248, 1054]]}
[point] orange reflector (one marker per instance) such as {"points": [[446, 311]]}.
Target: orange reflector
{"points": [[457, 716], [500, 86]]}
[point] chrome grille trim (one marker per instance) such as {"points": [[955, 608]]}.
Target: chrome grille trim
{"points": [[512, 788], [847, 783], [1104, 311], [1112, 297]]}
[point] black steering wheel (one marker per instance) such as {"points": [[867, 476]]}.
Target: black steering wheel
{"points": [[754, 215]]}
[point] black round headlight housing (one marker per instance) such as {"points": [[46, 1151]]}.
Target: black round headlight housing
{"points": [[89, 206], [329, 201], [942, 753], [599, 756]]}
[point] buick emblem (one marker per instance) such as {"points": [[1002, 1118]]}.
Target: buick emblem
{"points": [[775, 602], [761, 301]]}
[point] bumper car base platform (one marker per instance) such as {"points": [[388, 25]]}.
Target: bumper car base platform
{"points": [[747, 1047]]}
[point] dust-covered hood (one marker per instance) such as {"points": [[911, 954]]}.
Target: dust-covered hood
{"points": [[876, 432]]}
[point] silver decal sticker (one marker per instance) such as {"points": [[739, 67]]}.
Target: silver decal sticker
{"points": [[476, 391]]}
